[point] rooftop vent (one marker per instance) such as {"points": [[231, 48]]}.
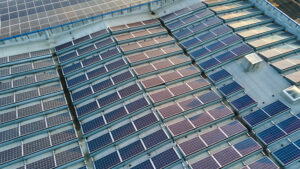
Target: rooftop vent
{"points": [[292, 94], [252, 62]]}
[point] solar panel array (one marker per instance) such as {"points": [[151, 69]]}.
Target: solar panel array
{"points": [[149, 94]]}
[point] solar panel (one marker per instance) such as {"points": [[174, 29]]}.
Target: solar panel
{"points": [[191, 70], [63, 137], [89, 61], [102, 85], [168, 77], [145, 121], [175, 24], [220, 112], [6, 100], [108, 161], [71, 68], [221, 30], [152, 82], [86, 49], [47, 162], [44, 90], [198, 27], [144, 165], [219, 75], [275, 108], [209, 64], [94, 73], [247, 146], [58, 119], [9, 134], [82, 94], [10, 154], [226, 57], [35, 146], [115, 65], [226, 156], [109, 99], [290, 125], [233, 128], [82, 39], [68, 156], [9, 116], [182, 33], [29, 110], [199, 53], [76, 80], [297, 143], [287, 154], [127, 91], [115, 114], [123, 131], [215, 46], [202, 119], [85, 109], [165, 158], [213, 137], [241, 50], [161, 95], [180, 127], [264, 162], [67, 57], [122, 77], [137, 105], [206, 36], [20, 68], [231, 39], [205, 163], [231, 88], [54, 103], [131, 150], [99, 142], [242, 102], [93, 124], [209, 97], [190, 104], [270, 135], [155, 139], [32, 127], [169, 111], [191, 42], [191, 146], [24, 81]]}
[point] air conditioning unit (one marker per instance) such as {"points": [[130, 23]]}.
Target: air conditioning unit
{"points": [[292, 94], [252, 62]]}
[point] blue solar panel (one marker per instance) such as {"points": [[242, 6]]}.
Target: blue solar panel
{"points": [[182, 33], [275, 108], [137, 105], [93, 124], [115, 65], [198, 27], [212, 21], [213, 137], [231, 39], [189, 19], [131, 150], [227, 156], [201, 119], [123, 131], [63, 137], [190, 104], [200, 53], [109, 99], [47, 162], [165, 158], [32, 127], [191, 42], [175, 24], [104, 43], [76, 80], [155, 139], [256, 117], [231, 88], [92, 60], [102, 85], [112, 52], [233, 128], [226, 56], [99, 142], [287, 154], [206, 163], [97, 72], [82, 93], [67, 57], [9, 134], [144, 165], [270, 135], [145, 121], [71, 68], [221, 30], [297, 143], [264, 163], [115, 114], [219, 75], [10, 154], [247, 146], [191, 146], [209, 64], [243, 102], [36, 145], [85, 50], [127, 91], [215, 46], [122, 77], [209, 97], [108, 161], [290, 125], [241, 50], [206, 36], [85, 109]]}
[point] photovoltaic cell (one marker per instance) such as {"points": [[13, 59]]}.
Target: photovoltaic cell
{"points": [[10, 154], [226, 57], [231, 88], [122, 77], [81, 94], [144, 165], [201, 119], [287, 154], [63, 137], [205, 163], [220, 112], [123, 131], [35, 146], [191, 146], [115, 114], [180, 127], [109, 99], [137, 105], [85, 109], [170, 111], [99, 142], [270, 135], [68, 156], [96, 72], [47, 162], [131, 150], [145, 121], [9, 134], [247, 146], [243, 102], [226, 156], [219, 76], [242, 50], [91, 60], [76, 80], [256, 117], [209, 97], [108, 161], [165, 158], [190, 104], [275, 108], [102, 85], [129, 90], [93, 124], [155, 139], [233, 128], [32, 127], [290, 125], [209, 64], [213, 137], [265, 162]]}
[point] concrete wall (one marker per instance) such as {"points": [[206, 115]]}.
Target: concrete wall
{"points": [[280, 17]]}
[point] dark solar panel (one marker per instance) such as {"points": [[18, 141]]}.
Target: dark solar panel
{"points": [[205, 163], [206, 36], [226, 156], [54, 103], [91, 60], [63, 137], [233, 128], [122, 77], [99, 33], [82, 39], [85, 109], [108, 161], [247, 146], [104, 43], [110, 53], [35, 146], [190, 104], [191, 42], [231, 39], [215, 46], [219, 75], [123, 131], [144, 165], [275, 108], [50, 89], [270, 135], [115, 114], [200, 53], [30, 110], [9, 134], [201, 119], [131, 150], [180, 127], [96, 72], [64, 46], [130, 90], [155, 139], [71, 68], [115, 65], [221, 30], [76, 80], [165, 158], [209, 97], [82, 94], [297, 143], [191, 146], [68, 156], [23, 81], [290, 125], [287, 154], [32, 127], [213, 137], [10, 154], [264, 163], [182, 33], [20, 68], [226, 57], [93, 124], [47, 162], [243, 102], [102, 85], [231, 88], [86, 49], [9, 116], [209, 64], [109, 99], [58, 119], [99, 142], [145, 121], [175, 24], [5, 85], [220, 112], [256, 117], [241, 50], [170, 111], [137, 105], [66, 57], [6, 100]]}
